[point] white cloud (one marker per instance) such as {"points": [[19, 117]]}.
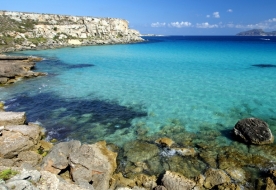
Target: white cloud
{"points": [[181, 24], [158, 24], [229, 10], [271, 20], [208, 16], [216, 14], [206, 25]]}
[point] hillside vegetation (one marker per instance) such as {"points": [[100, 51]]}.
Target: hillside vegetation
{"points": [[19, 31]]}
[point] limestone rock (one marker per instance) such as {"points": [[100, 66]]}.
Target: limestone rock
{"points": [[236, 174], [58, 30], [185, 151], [12, 118], [160, 187], [57, 159], [93, 164], [32, 175], [16, 139], [228, 186], [29, 157], [270, 184], [139, 151], [167, 142], [253, 131], [215, 177], [20, 184], [175, 181], [14, 68]]}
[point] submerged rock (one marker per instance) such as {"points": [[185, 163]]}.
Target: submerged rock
{"points": [[215, 177], [253, 131], [167, 142], [139, 151]]}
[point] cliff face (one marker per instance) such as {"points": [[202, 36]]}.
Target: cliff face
{"points": [[20, 30]]}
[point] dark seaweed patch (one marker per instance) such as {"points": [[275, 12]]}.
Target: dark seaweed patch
{"points": [[77, 66], [264, 65], [64, 117]]}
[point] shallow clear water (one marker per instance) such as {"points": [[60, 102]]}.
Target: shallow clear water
{"points": [[107, 92]]}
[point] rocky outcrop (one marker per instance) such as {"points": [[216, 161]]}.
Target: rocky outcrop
{"points": [[253, 131], [91, 166], [34, 180], [35, 31], [14, 68]]}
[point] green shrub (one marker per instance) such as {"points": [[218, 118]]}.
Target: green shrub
{"points": [[7, 174]]}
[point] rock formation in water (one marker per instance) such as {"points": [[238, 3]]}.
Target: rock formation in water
{"points": [[14, 68], [20, 31], [256, 32], [253, 131]]}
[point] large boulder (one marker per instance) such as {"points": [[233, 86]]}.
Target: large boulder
{"points": [[90, 165], [175, 181], [57, 159], [93, 164], [12, 118], [18, 138], [253, 131]]}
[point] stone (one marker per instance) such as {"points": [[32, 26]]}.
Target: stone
{"points": [[57, 159], [149, 182], [253, 131], [175, 181], [20, 184], [167, 142], [12, 118], [139, 151], [6, 162], [29, 157], [33, 131], [160, 187], [270, 184], [215, 177], [93, 164], [236, 174], [31, 175], [185, 151], [12, 143], [51, 181], [228, 186], [120, 181], [3, 187]]}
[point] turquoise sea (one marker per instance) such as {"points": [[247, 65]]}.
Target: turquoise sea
{"points": [[194, 81], [192, 89]]}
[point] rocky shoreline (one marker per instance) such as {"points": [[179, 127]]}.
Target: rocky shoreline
{"points": [[39, 164], [15, 68]]}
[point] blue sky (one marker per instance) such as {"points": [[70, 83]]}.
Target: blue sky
{"points": [[167, 17]]}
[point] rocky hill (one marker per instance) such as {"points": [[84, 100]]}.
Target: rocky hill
{"points": [[20, 31], [256, 32]]}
